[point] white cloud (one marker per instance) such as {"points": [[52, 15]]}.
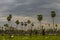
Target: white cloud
{"points": [[24, 18]]}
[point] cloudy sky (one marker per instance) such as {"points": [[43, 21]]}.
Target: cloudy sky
{"points": [[25, 9]]}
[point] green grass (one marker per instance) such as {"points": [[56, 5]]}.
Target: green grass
{"points": [[34, 37]]}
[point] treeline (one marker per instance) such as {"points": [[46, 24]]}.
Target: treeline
{"points": [[14, 30]]}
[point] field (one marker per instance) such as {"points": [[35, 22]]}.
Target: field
{"points": [[34, 37]]}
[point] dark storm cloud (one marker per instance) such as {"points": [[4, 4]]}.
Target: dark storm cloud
{"points": [[29, 7]]}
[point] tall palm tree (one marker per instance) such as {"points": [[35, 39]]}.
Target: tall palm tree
{"points": [[17, 23], [28, 22], [40, 17], [9, 20], [53, 14]]}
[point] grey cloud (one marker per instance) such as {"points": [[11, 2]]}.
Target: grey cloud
{"points": [[30, 7]]}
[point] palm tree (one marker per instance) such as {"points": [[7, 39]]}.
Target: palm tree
{"points": [[17, 23], [28, 22], [43, 30], [31, 27], [22, 24], [53, 14], [9, 20], [40, 17], [6, 28]]}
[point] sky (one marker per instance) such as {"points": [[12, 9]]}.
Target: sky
{"points": [[26, 9]]}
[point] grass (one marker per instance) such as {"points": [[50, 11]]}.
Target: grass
{"points": [[34, 37]]}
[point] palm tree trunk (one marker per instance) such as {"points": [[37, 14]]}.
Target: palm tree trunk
{"points": [[53, 27], [40, 27], [53, 24]]}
